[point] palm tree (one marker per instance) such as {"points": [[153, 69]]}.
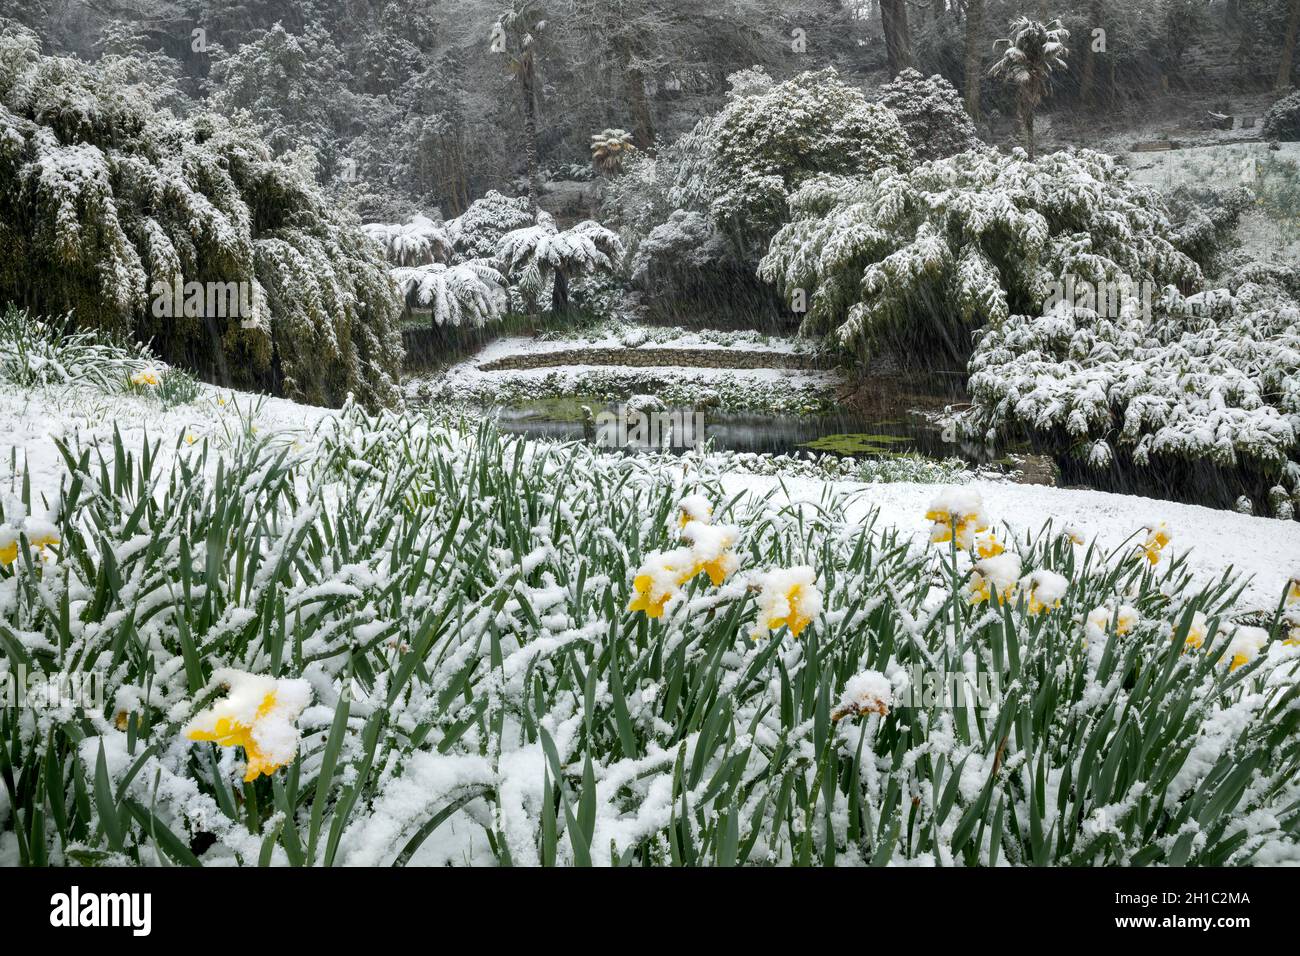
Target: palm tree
{"points": [[1034, 51], [514, 35]]}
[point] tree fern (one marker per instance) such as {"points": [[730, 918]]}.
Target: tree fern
{"points": [[540, 253], [469, 293]]}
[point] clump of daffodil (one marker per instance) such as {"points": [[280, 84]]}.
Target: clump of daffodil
{"points": [[998, 575], [146, 378], [787, 597], [258, 715], [1158, 535], [1196, 632], [1126, 618], [662, 574], [957, 515], [694, 508], [1245, 646], [867, 693], [1044, 590], [659, 578], [711, 549]]}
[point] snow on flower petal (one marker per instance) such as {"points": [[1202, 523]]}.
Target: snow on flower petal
{"points": [[1158, 535], [867, 693], [1196, 632], [694, 508], [711, 549], [659, 579], [1245, 646], [1126, 618], [1044, 589], [998, 575], [788, 597], [8, 545], [957, 513], [257, 714]]}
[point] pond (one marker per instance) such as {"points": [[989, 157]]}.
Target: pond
{"points": [[844, 433]]}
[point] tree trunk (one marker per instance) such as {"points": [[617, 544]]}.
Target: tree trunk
{"points": [[1288, 47], [527, 83], [974, 56], [560, 294], [643, 130], [898, 43], [1029, 130], [1088, 79]]}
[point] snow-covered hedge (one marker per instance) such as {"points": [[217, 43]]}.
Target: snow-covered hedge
{"points": [[107, 199], [926, 256], [1213, 376], [1282, 121]]}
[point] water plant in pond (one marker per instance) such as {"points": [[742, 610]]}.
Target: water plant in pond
{"points": [[856, 443]]}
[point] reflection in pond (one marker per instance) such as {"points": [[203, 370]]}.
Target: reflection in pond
{"points": [[843, 434]]}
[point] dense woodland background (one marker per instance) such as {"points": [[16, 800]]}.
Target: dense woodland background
{"points": [[405, 106]]}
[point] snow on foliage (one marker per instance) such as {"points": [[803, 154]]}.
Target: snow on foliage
{"points": [[415, 243], [1282, 121], [439, 612], [1214, 376], [955, 243], [932, 114], [106, 196], [540, 253], [741, 164], [469, 293], [476, 232]]}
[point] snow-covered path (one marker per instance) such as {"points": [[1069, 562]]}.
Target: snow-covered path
{"points": [[1266, 549]]}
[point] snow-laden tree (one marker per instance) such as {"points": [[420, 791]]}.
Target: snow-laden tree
{"points": [[417, 242], [741, 165], [1212, 376], [1032, 54], [476, 232], [108, 201], [932, 114], [1282, 121], [538, 254], [919, 259], [468, 293]]}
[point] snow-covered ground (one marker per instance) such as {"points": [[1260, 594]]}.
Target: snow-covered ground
{"points": [[650, 337], [31, 421], [1264, 549]]}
